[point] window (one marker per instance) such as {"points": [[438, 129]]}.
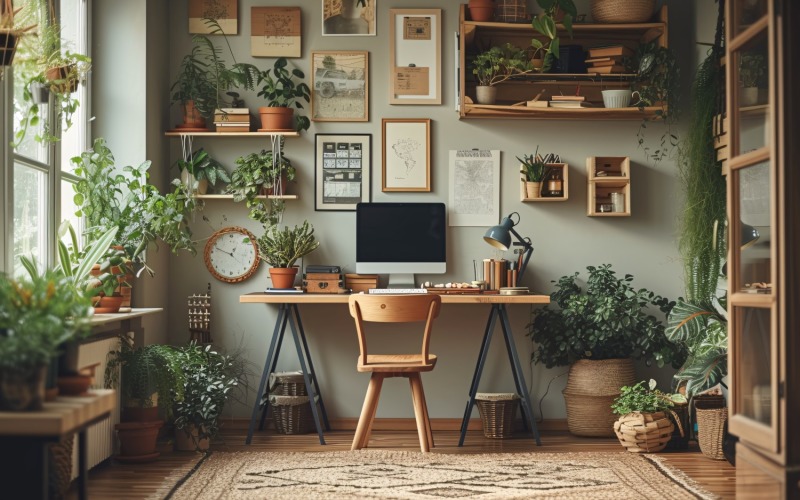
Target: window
{"points": [[41, 172]]}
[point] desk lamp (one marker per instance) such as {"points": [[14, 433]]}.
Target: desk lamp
{"points": [[500, 237], [749, 235]]}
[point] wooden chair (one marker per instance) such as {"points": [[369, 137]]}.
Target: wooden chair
{"points": [[394, 309]]}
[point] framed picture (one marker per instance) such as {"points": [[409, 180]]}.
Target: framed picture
{"points": [[348, 17], [224, 12], [342, 174], [415, 51], [275, 32], [406, 154], [340, 86]]}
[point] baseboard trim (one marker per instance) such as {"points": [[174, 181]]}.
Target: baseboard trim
{"points": [[409, 424]]}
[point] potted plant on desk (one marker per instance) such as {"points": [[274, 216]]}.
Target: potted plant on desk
{"points": [[597, 332], [280, 248]]}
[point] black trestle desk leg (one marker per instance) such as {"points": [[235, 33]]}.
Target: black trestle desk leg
{"points": [[527, 408], [476, 377], [504, 315], [83, 470], [311, 367], [265, 396], [280, 325], [312, 394]]}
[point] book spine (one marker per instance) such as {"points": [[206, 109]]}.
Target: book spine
{"points": [[499, 274], [487, 273]]}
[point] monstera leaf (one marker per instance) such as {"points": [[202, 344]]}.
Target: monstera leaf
{"points": [[703, 371]]}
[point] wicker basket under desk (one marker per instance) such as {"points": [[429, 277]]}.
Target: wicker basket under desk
{"points": [[497, 413], [287, 384], [292, 414]]}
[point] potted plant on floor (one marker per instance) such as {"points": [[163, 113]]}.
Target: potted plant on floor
{"points": [[644, 425], [280, 248], [38, 314], [199, 170], [597, 331], [209, 379], [532, 169], [495, 66], [282, 91], [263, 173]]}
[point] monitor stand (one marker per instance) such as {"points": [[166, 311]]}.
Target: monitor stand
{"points": [[404, 280]]}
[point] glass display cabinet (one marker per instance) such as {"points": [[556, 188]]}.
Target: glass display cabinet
{"points": [[762, 218]]}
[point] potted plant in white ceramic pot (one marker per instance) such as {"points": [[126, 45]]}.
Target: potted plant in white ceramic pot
{"points": [[199, 169], [280, 248], [752, 78], [284, 90], [495, 66]]}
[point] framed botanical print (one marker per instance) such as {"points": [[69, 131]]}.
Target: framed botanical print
{"points": [[340, 86], [224, 12], [342, 174], [348, 17], [406, 154]]}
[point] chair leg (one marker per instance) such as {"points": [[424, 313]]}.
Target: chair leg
{"points": [[427, 417], [419, 411], [367, 411], [371, 421]]}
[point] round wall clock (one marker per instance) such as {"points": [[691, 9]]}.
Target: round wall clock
{"points": [[231, 254]]}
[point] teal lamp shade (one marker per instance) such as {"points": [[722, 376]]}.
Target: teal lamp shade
{"points": [[749, 235], [500, 236]]}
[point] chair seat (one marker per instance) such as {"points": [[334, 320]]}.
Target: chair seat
{"points": [[397, 363]]}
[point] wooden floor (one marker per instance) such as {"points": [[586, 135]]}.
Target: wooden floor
{"points": [[114, 480]]}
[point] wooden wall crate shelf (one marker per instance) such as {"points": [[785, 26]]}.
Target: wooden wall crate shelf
{"points": [[565, 185], [476, 37], [606, 175]]}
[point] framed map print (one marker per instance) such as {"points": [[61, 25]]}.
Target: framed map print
{"points": [[406, 154]]}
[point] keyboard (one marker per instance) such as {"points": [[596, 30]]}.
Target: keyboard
{"points": [[385, 291]]}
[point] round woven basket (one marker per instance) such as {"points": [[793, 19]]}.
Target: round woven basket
{"points": [[287, 384], [60, 467], [711, 428], [292, 414], [644, 432], [497, 413], [592, 385], [622, 11]]}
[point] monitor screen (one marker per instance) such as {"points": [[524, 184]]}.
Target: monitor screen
{"points": [[401, 238]]}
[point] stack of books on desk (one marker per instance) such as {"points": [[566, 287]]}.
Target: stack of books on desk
{"points": [[567, 101], [232, 120], [607, 60]]}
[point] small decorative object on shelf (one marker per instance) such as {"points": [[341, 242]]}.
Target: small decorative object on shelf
{"points": [[200, 317]]}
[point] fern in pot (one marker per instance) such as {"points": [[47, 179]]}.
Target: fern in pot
{"points": [[280, 248]]}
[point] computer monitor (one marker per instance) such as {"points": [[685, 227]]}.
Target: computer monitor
{"points": [[401, 239]]}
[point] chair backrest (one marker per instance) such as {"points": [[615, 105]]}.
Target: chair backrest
{"points": [[394, 309]]}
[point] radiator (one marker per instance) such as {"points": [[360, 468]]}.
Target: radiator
{"points": [[100, 437]]}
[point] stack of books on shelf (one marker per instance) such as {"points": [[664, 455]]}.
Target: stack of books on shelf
{"points": [[607, 60], [567, 101], [232, 120]]}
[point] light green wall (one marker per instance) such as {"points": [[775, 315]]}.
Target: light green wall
{"points": [[565, 240]]}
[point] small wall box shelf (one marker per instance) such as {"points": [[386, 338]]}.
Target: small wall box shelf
{"points": [[564, 168], [606, 175]]}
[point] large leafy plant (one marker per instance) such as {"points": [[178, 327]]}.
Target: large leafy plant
{"points": [[545, 25], [284, 88], [609, 319], [253, 173], [201, 166], [282, 247]]}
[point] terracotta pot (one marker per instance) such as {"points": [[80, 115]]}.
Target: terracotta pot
{"points": [[22, 391], [481, 10], [282, 277], [59, 76], [192, 117], [195, 186], [126, 284], [270, 190], [276, 119], [137, 440], [485, 94], [74, 385], [134, 410], [188, 441], [592, 385], [108, 304], [533, 189]]}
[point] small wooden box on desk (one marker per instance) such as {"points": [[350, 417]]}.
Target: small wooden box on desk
{"points": [[606, 175], [360, 282]]}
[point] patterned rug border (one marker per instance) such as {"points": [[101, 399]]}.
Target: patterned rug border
{"points": [[669, 472]]}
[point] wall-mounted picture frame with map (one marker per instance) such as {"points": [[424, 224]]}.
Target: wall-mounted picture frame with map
{"points": [[406, 154], [224, 12], [342, 173], [340, 86]]}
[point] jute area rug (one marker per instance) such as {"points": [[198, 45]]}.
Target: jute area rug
{"points": [[412, 475]]}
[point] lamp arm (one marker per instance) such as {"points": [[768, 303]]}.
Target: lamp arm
{"points": [[528, 250]]}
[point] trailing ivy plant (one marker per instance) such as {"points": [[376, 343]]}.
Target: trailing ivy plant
{"points": [[254, 172]]}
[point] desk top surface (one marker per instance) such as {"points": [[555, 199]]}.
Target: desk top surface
{"points": [[332, 298], [59, 417], [102, 319]]}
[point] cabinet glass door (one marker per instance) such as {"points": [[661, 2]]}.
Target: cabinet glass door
{"points": [[752, 186]]}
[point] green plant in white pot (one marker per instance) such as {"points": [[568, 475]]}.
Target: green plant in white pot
{"points": [[495, 66], [280, 248]]}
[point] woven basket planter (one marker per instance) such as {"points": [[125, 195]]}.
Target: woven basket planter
{"points": [[511, 11], [592, 386], [711, 430], [622, 11], [497, 414], [287, 384], [644, 432], [292, 414]]}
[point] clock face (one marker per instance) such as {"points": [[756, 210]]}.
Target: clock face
{"points": [[231, 254]]}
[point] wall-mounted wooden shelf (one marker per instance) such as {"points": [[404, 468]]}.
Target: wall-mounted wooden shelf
{"points": [[565, 185], [606, 175], [524, 112], [230, 197], [177, 133]]}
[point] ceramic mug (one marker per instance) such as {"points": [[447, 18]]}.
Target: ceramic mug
{"points": [[619, 98]]}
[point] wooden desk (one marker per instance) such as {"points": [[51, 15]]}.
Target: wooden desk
{"points": [[290, 314], [25, 436]]}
